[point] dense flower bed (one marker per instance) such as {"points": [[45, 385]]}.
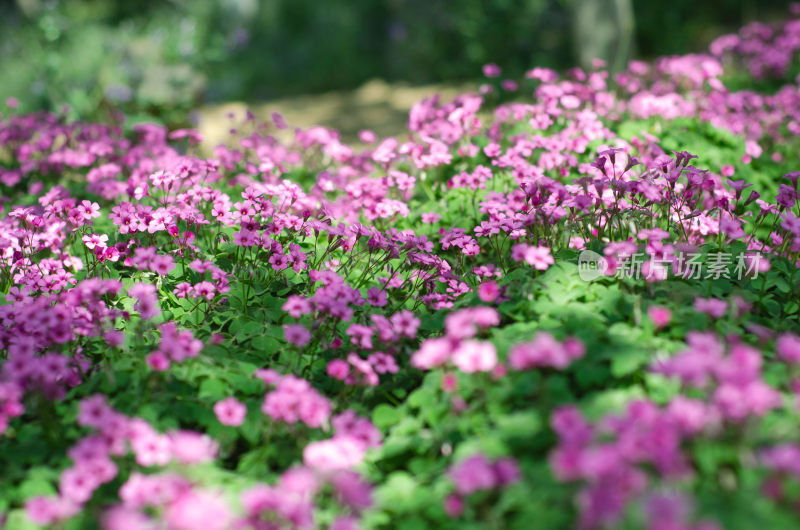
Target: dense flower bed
{"points": [[576, 309]]}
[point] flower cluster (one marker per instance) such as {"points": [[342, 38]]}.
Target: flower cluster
{"points": [[175, 346], [545, 350], [477, 473], [413, 298], [294, 399], [458, 345], [93, 465]]}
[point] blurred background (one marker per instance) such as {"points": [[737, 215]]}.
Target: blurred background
{"points": [[160, 59]]}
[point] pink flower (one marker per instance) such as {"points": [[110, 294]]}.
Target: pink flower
{"points": [[178, 345], [338, 369], [146, 299], [453, 506], [339, 452], [345, 523], [78, 484], [152, 449], [383, 363], [363, 372], [570, 102], [95, 240], [190, 447], [449, 382], [114, 337], [283, 503], [296, 306], [488, 291], [162, 264], [788, 347], [666, 511], [122, 518], [509, 85], [108, 254], [691, 414], [713, 307], [89, 210], [377, 297], [545, 350], [737, 402], [294, 400], [182, 290], [296, 334], [694, 365], [17, 294], [246, 238], [360, 336], [142, 257], [659, 315], [279, 261], [756, 263], [366, 136], [48, 510], [195, 510], [473, 474], [300, 481], [791, 223], [349, 424], [279, 120], [506, 471], [230, 411], [475, 356], [784, 458], [405, 324], [158, 361], [204, 290], [491, 70], [384, 153], [431, 217], [10, 403], [94, 411], [539, 257], [464, 323], [752, 149], [432, 353]]}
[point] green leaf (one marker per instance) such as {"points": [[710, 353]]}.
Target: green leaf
{"points": [[398, 492], [19, 520], [249, 329], [628, 361], [422, 398], [37, 484], [385, 416], [214, 388], [266, 344], [519, 425], [252, 462]]}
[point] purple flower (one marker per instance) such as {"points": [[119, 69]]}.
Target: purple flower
{"points": [[491, 70], [296, 334], [473, 474], [788, 348]]}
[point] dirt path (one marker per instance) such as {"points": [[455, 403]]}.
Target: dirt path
{"points": [[376, 105]]}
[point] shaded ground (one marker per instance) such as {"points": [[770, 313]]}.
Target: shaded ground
{"points": [[376, 105]]}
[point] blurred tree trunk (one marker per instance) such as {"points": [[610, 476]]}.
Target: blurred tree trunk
{"points": [[602, 29], [29, 7]]}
